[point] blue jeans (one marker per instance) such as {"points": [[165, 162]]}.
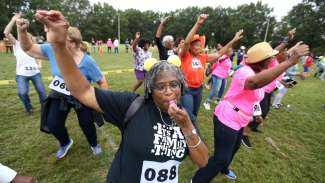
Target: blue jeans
{"points": [[226, 144], [218, 86], [23, 89], [192, 101]]}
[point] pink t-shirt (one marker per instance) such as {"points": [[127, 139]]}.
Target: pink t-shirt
{"points": [[223, 67], [241, 98], [109, 43], [271, 86]]}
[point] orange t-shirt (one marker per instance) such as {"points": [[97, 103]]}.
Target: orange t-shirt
{"points": [[193, 69]]}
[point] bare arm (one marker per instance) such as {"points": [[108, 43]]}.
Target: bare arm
{"points": [[214, 56], [285, 40], [198, 151], [161, 26], [195, 28], [81, 90], [26, 43], [263, 78], [56, 35], [8, 29], [135, 41], [103, 83], [39, 63]]}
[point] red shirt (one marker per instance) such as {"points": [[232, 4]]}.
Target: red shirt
{"points": [[309, 61], [193, 69]]}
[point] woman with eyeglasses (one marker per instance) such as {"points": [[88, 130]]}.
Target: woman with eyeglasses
{"points": [[193, 65], [60, 101], [157, 137], [237, 108]]}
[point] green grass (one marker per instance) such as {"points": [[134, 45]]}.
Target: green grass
{"points": [[299, 133]]}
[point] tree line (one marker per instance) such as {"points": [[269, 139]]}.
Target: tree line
{"points": [[100, 21]]}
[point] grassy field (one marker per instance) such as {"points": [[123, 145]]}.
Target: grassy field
{"points": [[299, 132]]}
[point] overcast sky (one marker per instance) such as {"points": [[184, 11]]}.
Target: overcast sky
{"points": [[280, 7]]}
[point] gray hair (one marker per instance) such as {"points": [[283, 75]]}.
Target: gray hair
{"points": [[166, 39], [153, 74]]}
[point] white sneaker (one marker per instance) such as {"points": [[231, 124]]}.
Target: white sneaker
{"points": [[217, 101], [206, 105], [231, 72]]}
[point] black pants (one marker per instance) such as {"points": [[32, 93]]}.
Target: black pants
{"points": [[226, 143], [56, 122], [265, 107]]}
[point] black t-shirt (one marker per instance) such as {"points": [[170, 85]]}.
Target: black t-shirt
{"points": [[151, 148], [163, 52]]}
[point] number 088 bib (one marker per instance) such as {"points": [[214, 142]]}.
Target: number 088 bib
{"points": [[159, 171], [58, 85]]}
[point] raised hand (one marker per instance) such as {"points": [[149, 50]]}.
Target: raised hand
{"points": [[291, 33], [164, 19], [16, 16], [56, 25], [22, 24], [297, 51], [201, 19], [295, 46], [238, 35], [137, 35]]}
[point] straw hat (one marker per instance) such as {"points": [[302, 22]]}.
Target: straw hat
{"points": [[260, 52]]}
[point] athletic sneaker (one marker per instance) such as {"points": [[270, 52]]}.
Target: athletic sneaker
{"points": [[231, 72], [207, 86], [30, 111], [97, 150], [276, 106], [231, 175], [217, 101], [63, 150], [245, 141], [206, 106]]}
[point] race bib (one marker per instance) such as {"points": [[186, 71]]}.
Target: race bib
{"points": [[257, 109], [159, 171], [30, 68], [196, 63], [58, 85], [279, 85], [170, 52]]}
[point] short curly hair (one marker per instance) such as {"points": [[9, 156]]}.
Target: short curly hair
{"points": [[153, 74], [167, 39], [143, 42]]}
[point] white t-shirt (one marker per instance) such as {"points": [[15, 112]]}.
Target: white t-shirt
{"points": [[6, 174], [26, 65], [115, 43]]}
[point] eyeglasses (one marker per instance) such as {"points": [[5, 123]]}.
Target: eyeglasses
{"points": [[173, 86]]}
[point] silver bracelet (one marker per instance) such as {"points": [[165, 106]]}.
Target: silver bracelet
{"points": [[194, 146]]}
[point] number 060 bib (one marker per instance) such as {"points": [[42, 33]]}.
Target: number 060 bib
{"points": [[159, 172], [58, 85]]}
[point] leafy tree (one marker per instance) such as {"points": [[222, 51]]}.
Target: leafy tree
{"points": [[100, 21], [309, 19]]}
